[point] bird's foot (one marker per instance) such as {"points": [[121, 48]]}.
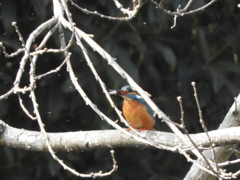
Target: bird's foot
{"points": [[139, 130]]}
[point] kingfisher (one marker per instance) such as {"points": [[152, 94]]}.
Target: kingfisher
{"points": [[134, 108]]}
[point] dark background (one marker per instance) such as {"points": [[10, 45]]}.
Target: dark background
{"points": [[203, 47]]}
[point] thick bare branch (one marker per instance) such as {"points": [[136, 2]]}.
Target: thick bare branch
{"points": [[87, 140]]}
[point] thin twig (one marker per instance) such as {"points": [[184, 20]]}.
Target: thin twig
{"points": [[130, 13], [7, 55], [203, 123], [25, 109], [7, 94], [181, 11], [14, 24], [58, 68], [179, 99]]}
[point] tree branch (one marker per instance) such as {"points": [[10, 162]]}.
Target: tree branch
{"points": [[97, 139]]}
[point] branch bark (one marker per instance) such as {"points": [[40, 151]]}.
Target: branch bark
{"points": [[97, 139]]}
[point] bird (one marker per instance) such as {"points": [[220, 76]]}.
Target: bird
{"points": [[134, 108]]}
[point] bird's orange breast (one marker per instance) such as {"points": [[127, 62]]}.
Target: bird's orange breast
{"points": [[137, 116]]}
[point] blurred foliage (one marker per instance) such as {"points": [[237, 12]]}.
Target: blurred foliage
{"points": [[203, 47]]}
